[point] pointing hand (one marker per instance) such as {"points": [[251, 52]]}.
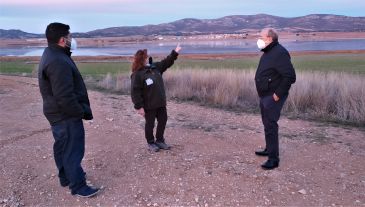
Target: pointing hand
{"points": [[178, 48]]}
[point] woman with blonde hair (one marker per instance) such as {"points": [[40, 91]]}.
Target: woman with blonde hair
{"points": [[148, 95]]}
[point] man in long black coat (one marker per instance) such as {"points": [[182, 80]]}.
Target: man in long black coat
{"points": [[65, 104], [274, 76]]}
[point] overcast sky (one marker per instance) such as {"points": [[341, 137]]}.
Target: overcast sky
{"points": [[85, 15]]}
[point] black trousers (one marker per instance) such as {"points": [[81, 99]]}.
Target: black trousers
{"points": [[270, 114], [150, 116], [68, 150]]}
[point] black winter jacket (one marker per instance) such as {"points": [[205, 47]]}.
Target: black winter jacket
{"points": [[147, 86], [275, 72], [62, 88]]}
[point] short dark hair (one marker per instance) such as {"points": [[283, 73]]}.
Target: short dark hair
{"points": [[55, 31], [273, 34]]}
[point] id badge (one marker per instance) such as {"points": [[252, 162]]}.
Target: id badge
{"points": [[149, 81]]}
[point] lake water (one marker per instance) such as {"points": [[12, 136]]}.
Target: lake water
{"points": [[197, 47]]}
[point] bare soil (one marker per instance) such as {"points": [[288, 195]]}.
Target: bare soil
{"points": [[211, 163]]}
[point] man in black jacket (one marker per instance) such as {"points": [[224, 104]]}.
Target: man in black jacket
{"points": [[65, 104], [273, 79]]}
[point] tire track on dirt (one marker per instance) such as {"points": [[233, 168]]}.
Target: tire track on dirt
{"points": [[12, 140]]}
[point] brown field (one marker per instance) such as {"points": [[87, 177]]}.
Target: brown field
{"points": [[211, 162], [310, 97]]}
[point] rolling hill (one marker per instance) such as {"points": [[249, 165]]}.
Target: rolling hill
{"points": [[229, 24]]}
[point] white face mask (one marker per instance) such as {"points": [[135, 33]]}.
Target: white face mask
{"points": [[261, 44], [72, 45]]}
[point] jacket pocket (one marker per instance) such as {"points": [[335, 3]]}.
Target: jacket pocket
{"points": [[262, 83], [50, 106]]}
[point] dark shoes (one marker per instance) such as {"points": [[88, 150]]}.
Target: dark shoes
{"points": [[262, 153], [270, 164], [86, 192], [153, 147], [163, 145]]}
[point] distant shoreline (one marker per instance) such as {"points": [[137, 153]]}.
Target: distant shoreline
{"points": [[185, 56], [113, 41]]}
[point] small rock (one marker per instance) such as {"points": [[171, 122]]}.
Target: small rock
{"points": [[197, 199], [213, 195], [302, 192]]}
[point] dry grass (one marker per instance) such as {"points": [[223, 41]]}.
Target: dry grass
{"points": [[120, 83], [228, 88], [326, 95], [334, 96]]}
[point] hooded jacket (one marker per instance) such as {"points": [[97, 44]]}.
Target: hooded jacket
{"points": [[61, 85], [275, 72], [147, 86]]}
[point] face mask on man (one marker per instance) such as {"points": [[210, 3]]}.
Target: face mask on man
{"points": [[261, 44], [71, 44]]}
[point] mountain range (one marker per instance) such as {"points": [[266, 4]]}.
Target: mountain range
{"points": [[225, 25]]}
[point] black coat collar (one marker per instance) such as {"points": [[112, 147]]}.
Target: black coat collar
{"points": [[270, 46], [65, 50]]}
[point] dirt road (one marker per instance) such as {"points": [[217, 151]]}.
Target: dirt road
{"points": [[211, 163]]}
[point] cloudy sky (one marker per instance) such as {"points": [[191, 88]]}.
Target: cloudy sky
{"points": [[86, 15]]}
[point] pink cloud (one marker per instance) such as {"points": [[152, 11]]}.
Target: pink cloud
{"points": [[72, 2]]}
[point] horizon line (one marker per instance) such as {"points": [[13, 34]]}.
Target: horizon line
{"points": [[198, 19]]}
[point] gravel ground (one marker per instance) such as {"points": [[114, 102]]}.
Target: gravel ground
{"points": [[211, 163]]}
